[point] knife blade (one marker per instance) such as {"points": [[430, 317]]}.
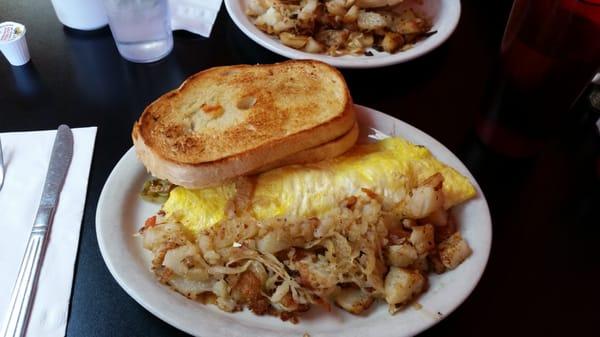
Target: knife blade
{"points": [[23, 292]]}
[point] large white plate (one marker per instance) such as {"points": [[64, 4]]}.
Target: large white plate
{"points": [[121, 212], [444, 15]]}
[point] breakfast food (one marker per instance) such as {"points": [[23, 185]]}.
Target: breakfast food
{"points": [[340, 27], [229, 121], [330, 149], [368, 225], [270, 205]]}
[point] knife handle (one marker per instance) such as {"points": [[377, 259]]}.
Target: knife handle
{"points": [[23, 292]]}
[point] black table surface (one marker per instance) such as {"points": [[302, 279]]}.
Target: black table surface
{"points": [[542, 275]]}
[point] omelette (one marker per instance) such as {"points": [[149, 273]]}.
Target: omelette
{"points": [[368, 225], [390, 168]]}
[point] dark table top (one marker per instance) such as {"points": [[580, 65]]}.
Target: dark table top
{"points": [[542, 275]]}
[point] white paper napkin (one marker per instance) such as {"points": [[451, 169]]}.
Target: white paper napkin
{"points": [[26, 156], [196, 16]]}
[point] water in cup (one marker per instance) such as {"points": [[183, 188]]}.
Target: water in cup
{"points": [[141, 28]]}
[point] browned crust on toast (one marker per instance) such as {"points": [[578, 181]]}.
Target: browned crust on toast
{"points": [[328, 150], [165, 160]]}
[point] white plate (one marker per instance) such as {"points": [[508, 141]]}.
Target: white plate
{"points": [[443, 13], [121, 212]]}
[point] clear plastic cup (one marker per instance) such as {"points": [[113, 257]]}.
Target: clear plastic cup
{"points": [[141, 28], [13, 44]]}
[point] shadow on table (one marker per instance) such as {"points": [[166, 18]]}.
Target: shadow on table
{"points": [[105, 79], [27, 80]]}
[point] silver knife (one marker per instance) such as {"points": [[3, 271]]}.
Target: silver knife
{"points": [[24, 290]]}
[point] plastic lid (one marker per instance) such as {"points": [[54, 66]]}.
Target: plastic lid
{"points": [[10, 31]]}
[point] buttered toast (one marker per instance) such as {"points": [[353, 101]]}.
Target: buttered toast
{"points": [[229, 121]]}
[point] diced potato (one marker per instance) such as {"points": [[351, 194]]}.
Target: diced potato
{"points": [[422, 237], [353, 300], [313, 46], [272, 21], [308, 11], [336, 7], [333, 38], [392, 42], [256, 7], [453, 251], [401, 285], [412, 26], [401, 255], [351, 15], [269, 18], [357, 41], [424, 201], [371, 20], [294, 41]]}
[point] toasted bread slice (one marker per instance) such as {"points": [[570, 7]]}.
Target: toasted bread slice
{"points": [[328, 150], [229, 121]]}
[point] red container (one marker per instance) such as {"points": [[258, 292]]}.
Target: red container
{"points": [[550, 52]]}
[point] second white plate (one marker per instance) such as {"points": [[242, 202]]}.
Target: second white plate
{"points": [[444, 14], [121, 212]]}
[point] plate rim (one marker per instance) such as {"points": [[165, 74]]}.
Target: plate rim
{"points": [[173, 321], [361, 62]]}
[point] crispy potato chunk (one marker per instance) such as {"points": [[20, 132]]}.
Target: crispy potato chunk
{"points": [[422, 237], [333, 38], [453, 251], [390, 30], [294, 41], [336, 7], [351, 15], [392, 42], [256, 7], [313, 46], [353, 300], [371, 20], [402, 285], [401, 255], [424, 201], [412, 26], [308, 12]]}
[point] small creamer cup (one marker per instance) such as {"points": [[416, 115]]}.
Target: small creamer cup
{"points": [[13, 44]]}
